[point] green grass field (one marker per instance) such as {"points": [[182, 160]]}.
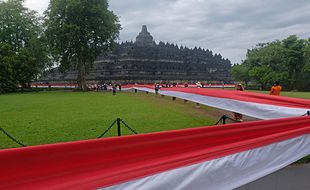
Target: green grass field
{"points": [[50, 117]]}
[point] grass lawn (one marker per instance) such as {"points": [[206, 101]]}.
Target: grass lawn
{"points": [[50, 117]]}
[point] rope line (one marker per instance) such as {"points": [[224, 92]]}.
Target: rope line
{"points": [[221, 118], [107, 129], [132, 130], [12, 138], [224, 117], [114, 122]]}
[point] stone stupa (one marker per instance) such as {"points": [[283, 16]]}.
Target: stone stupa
{"points": [[144, 38]]}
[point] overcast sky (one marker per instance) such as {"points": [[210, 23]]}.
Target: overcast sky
{"points": [[229, 27]]}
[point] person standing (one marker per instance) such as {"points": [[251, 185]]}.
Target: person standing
{"points": [[238, 116], [114, 89], [275, 89], [105, 87], [156, 88]]}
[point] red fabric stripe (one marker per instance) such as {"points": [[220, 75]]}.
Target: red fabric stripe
{"points": [[105, 162], [248, 97], [243, 96]]}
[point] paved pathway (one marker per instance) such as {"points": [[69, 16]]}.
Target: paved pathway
{"points": [[296, 177]]}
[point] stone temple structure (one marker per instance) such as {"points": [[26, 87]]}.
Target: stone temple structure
{"points": [[145, 61]]}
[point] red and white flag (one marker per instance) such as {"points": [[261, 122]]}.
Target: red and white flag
{"points": [[256, 105], [216, 157]]}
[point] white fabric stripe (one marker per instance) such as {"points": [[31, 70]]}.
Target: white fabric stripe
{"points": [[228, 172], [127, 89], [257, 110], [145, 89]]}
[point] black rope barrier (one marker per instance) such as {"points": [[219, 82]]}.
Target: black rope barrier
{"points": [[12, 138], [125, 124], [221, 119], [224, 118], [118, 121], [107, 129]]}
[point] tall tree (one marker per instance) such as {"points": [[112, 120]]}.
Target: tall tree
{"points": [[78, 31], [307, 56], [23, 51], [305, 77], [295, 59], [287, 61], [265, 64], [240, 73]]}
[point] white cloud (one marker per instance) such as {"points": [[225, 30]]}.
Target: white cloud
{"points": [[229, 27]]}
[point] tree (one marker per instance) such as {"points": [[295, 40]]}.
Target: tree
{"points": [[23, 51], [287, 61], [265, 64], [78, 31], [264, 75], [7, 81], [294, 59], [307, 57], [305, 74], [240, 73]]}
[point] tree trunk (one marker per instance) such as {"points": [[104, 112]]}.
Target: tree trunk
{"points": [[81, 75]]}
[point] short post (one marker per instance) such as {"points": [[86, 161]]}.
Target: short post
{"points": [[119, 127], [162, 96], [185, 101], [174, 98], [224, 119], [147, 92], [136, 90]]}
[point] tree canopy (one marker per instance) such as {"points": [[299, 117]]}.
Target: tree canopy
{"points": [[78, 31], [287, 61], [23, 51]]}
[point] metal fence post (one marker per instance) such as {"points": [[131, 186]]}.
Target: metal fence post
{"points": [[224, 119], [119, 127]]}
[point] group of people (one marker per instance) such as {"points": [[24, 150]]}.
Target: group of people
{"points": [[275, 90], [105, 87], [97, 87]]}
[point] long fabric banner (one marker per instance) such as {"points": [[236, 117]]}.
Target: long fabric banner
{"points": [[256, 105], [216, 157]]}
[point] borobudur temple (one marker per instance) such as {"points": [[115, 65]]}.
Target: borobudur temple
{"points": [[145, 61]]}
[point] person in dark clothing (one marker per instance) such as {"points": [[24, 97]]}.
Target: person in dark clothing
{"points": [[105, 87], [156, 88], [114, 89], [238, 116]]}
